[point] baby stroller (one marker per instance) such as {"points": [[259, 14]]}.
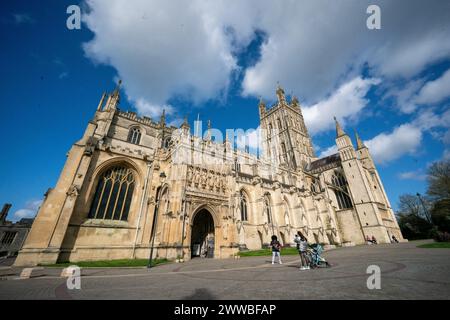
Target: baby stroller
{"points": [[315, 260]]}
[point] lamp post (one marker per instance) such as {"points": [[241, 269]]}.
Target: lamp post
{"points": [[425, 210], [162, 177]]}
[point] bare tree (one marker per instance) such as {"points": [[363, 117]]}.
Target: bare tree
{"points": [[414, 205], [439, 180]]}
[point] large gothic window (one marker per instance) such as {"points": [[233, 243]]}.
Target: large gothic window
{"points": [[244, 208], [340, 187], [113, 195], [267, 209], [134, 135]]}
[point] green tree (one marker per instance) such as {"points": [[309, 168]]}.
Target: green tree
{"points": [[441, 215]]}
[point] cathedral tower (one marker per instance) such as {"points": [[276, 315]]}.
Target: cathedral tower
{"points": [[370, 210], [285, 138]]}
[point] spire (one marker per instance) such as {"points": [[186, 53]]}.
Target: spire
{"points": [[163, 118], [208, 132], [117, 90], [280, 94], [359, 143], [294, 102], [185, 123], [102, 100], [339, 131], [262, 108]]}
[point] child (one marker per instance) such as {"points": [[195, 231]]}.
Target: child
{"points": [[276, 246]]}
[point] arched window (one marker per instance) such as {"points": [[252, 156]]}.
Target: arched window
{"points": [[113, 195], [244, 208], [283, 150], [280, 127], [270, 129], [166, 143], [340, 187], [267, 209], [134, 135]]}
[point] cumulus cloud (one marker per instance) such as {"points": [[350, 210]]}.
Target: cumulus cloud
{"points": [[386, 147], [345, 103], [435, 91], [412, 175], [329, 151], [161, 49], [29, 211], [166, 49]]}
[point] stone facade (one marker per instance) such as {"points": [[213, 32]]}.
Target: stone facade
{"points": [[129, 173]]}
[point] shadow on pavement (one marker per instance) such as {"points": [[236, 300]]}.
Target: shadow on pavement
{"points": [[201, 294]]}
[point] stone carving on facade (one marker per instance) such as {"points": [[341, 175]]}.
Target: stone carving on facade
{"points": [[91, 144], [208, 180], [73, 191], [256, 180]]}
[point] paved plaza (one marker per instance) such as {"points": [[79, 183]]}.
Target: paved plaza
{"points": [[407, 272]]}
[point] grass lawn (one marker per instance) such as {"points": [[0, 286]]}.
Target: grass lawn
{"points": [[435, 245], [268, 252], [108, 263]]}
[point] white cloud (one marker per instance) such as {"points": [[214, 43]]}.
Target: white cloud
{"points": [[329, 151], [435, 91], [405, 96], [446, 154], [161, 49], [412, 175], [29, 211], [331, 44], [165, 49], [345, 103], [23, 18], [387, 147]]}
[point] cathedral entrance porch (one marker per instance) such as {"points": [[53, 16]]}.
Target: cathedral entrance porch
{"points": [[203, 235]]}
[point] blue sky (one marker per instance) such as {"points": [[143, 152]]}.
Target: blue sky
{"points": [[392, 85]]}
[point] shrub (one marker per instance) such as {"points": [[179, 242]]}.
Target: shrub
{"points": [[440, 236]]}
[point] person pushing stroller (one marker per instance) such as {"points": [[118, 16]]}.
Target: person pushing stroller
{"points": [[302, 247]]}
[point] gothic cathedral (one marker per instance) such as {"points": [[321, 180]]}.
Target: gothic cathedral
{"points": [[132, 184]]}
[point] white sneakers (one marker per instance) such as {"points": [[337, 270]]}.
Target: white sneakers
{"points": [[305, 268]]}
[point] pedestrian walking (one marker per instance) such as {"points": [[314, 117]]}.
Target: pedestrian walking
{"points": [[276, 247]]}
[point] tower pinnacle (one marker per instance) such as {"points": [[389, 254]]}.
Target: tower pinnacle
{"points": [[280, 94], [339, 131], [359, 142]]}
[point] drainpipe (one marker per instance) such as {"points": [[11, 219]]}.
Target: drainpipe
{"points": [[144, 195]]}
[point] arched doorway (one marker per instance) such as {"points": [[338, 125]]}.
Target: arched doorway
{"points": [[202, 235]]}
